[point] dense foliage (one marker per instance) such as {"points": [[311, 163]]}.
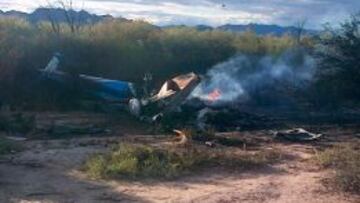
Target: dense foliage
{"points": [[126, 50], [339, 67], [116, 49]]}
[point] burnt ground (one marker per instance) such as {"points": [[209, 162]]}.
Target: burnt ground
{"points": [[49, 170]]}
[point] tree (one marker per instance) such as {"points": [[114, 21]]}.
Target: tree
{"points": [[73, 20], [299, 30], [339, 54], [68, 7], [55, 25]]}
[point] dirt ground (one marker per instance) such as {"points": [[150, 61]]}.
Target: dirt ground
{"points": [[50, 171]]}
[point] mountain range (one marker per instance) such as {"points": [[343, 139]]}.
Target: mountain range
{"points": [[84, 17], [264, 29], [57, 15]]}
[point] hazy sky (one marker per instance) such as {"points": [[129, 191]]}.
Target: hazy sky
{"points": [[211, 12]]}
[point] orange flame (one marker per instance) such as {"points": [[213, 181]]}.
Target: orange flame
{"points": [[214, 95]]}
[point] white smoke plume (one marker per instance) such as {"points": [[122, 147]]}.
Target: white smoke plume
{"points": [[237, 79]]}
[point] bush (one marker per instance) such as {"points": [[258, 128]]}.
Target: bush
{"points": [[142, 161], [345, 160], [139, 161]]}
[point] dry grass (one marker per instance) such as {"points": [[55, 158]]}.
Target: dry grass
{"points": [[140, 161], [345, 160]]}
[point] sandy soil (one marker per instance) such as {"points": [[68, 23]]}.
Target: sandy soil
{"points": [[49, 171]]}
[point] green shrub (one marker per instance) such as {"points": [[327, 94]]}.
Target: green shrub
{"points": [[139, 161], [142, 161]]}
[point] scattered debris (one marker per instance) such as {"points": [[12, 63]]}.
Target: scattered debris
{"points": [[123, 94], [135, 107], [182, 137], [177, 89], [169, 99], [171, 96], [210, 144], [102, 89], [297, 134]]}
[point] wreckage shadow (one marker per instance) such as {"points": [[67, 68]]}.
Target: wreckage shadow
{"points": [[20, 183]]}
